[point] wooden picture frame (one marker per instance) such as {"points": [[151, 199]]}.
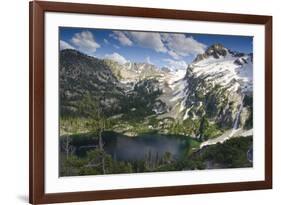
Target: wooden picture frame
{"points": [[37, 150]]}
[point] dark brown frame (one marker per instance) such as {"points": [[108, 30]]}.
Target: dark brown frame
{"points": [[37, 194]]}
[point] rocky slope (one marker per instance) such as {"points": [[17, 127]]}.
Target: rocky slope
{"points": [[217, 85], [83, 78], [89, 83]]}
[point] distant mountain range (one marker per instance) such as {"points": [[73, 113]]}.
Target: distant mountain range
{"points": [[217, 85]]}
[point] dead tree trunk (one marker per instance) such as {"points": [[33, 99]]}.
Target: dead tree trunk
{"points": [[67, 147], [101, 129]]}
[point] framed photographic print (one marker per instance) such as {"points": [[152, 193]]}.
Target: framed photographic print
{"points": [[138, 102]]}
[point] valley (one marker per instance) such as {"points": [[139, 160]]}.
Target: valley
{"points": [[136, 117]]}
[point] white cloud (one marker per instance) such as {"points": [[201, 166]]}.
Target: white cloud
{"points": [[148, 40], [174, 54], [65, 45], [175, 65], [147, 59], [122, 38], [176, 45], [179, 45], [115, 46], [116, 57], [143, 39], [105, 41], [85, 42]]}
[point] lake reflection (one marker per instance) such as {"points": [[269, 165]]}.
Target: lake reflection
{"points": [[126, 148]]}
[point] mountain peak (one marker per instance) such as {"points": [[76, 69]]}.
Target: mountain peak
{"points": [[216, 50]]}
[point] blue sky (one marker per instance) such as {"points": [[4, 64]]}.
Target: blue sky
{"points": [[161, 49]]}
